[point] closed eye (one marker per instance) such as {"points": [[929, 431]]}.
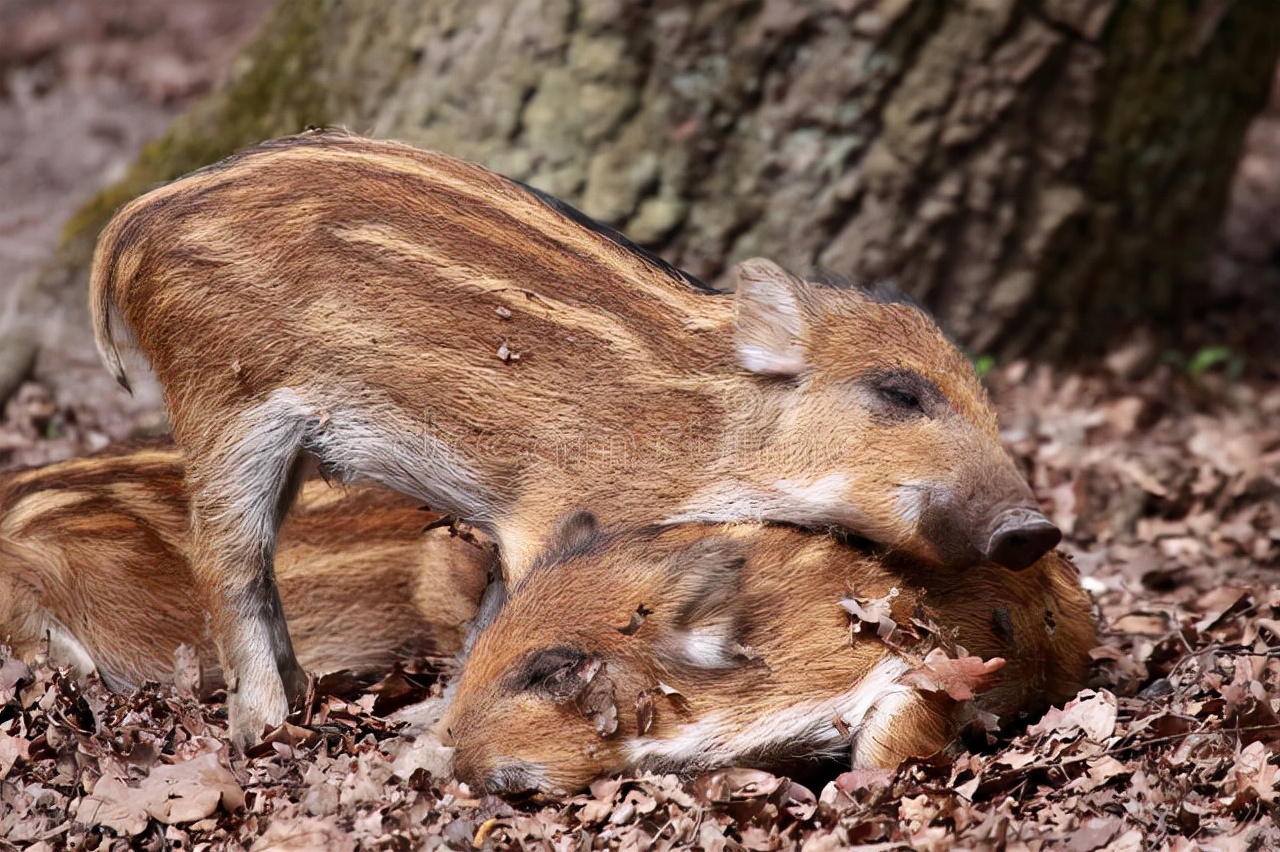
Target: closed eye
{"points": [[900, 398], [900, 395]]}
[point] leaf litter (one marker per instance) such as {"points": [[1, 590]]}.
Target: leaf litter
{"points": [[1170, 499]]}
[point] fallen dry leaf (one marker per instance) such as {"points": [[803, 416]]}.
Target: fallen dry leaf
{"points": [[875, 614], [959, 677], [644, 712], [597, 700], [1092, 713], [12, 749], [305, 834], [172, 794], [1255, 772]]}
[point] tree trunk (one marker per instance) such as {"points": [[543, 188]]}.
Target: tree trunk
{"points": [[1044, 175]]}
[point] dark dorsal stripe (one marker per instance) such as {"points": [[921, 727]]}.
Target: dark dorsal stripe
{"points": [[615, 236], [323, 136]]}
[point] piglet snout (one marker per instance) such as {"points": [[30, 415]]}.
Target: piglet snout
{"points": [[1019, 537]]}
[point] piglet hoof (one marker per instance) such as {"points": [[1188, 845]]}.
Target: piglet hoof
{"points": [[256, 707]]}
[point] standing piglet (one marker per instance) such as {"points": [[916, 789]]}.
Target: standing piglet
{"points": [[752, 645], [412, 319]]}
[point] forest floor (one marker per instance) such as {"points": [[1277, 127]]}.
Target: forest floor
{"points": [[1169, 491], [1162, 469]]}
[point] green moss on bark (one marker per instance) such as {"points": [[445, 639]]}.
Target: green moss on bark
{"points": [[277, 89], [1180, 86]]}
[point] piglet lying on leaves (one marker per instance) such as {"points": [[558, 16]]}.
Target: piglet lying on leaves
{"points": [[93, 567], [418, 321], [694, 647]]}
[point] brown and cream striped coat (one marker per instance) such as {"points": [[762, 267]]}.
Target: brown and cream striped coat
{"points": [[94, 572], [728, 645], [416, 320]]}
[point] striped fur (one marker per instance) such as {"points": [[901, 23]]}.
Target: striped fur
{"points": [[416, 320], [794, 682], [94, 570]]}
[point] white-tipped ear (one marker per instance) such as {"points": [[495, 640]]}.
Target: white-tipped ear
{"points": [[769, 326], [707, 579]]}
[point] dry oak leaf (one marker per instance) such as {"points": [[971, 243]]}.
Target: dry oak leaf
{"points": [[597, 700], [304, 834], [1015, 758], [424, 752], [855, 785], [12, 749], [13, 674], [1253, 772], [644, 711], [1091, 713], [873, 612], [599, 805], [959, 677], [175, 793]]}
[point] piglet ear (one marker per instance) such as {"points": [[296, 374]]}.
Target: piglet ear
{"points": [[769, 325], [564, 675], [707, 577], [559, 673], [709, 616], [573, 532]]}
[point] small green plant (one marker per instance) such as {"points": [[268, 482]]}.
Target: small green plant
{"points": [[1209, 357], [1205, 359], [983, 364]]}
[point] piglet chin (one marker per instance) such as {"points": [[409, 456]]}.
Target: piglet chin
{"points": [[516, 778]]}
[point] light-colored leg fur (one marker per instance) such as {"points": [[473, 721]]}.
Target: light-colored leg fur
{"points": [[240, 491], [239, 497], [31, 629], [903, 724]]}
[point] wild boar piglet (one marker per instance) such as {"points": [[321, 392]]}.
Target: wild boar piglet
{"points": [[415, 320], [695, 647], [94, 571]]}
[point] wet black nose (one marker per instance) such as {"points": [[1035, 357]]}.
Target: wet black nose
{"points": [[1020, 538]]}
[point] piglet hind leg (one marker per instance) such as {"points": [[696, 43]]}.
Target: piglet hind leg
{"points": [[263, 677], [905, 724], [238, 501]]}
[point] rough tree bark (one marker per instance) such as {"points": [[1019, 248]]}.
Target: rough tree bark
{"points": [[1043, 173]]}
